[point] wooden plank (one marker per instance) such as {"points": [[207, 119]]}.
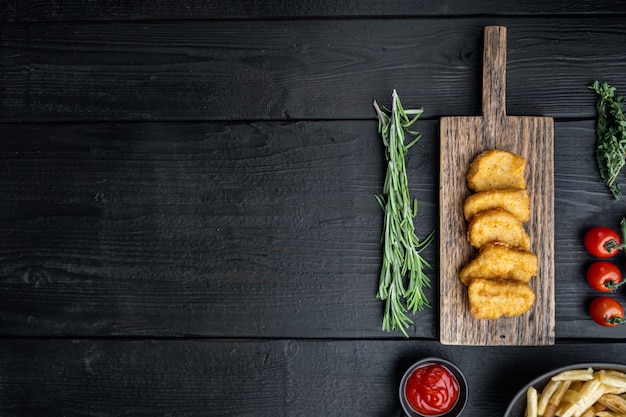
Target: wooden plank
{"points": [[462, 138], [254, 377], [211, 229], [173, 229], [64, 10], [296, 69]]}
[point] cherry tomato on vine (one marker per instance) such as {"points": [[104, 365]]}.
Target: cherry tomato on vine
{"points": [[606, 311], [604, 276], [602, 242]]}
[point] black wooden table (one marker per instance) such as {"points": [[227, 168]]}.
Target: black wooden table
{"points": [[187, 216]]}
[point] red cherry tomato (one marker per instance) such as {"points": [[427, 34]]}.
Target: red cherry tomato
{"points": [[602, 242], [604, 276], [606, 311]]}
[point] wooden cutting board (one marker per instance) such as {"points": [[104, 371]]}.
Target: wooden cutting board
{"points": [[462, 138]]}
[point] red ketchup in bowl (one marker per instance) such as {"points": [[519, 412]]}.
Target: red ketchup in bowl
{"points": [[432, 390]]}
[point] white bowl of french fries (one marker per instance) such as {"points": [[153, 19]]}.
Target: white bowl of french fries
{"points": [[581, 390]]}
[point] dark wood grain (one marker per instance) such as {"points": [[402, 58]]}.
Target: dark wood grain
{"points": [[187, 215], [261, 378], [37, 10], [293, 69], [206, 229], [189, 229]]}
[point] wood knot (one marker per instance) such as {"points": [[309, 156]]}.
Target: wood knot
{"points": [[37, 277], [292, 348]]}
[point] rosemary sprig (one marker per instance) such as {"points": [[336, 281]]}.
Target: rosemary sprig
{"points": [[611, 135], [402, 260]]}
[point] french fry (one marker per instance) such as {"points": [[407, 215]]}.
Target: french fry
{"points": [[613, 402], [571, 403], [611, 389], [567, 410], [612, 372], [599, 407], [590, 412], [580, 393], [606, 414], [546, 395], [591, 391], [574, 375], [573, 397], [550, 410], [558, 395], [578, 401], [613, 380], [555, 399], [531, 402]]}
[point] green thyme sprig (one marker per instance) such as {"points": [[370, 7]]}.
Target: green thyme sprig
{"points": [[611, 135], [402, 261]]}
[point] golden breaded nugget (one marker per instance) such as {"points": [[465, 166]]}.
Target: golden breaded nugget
{"points": [[496, 260], [496, 169], [494, 298], [497, 226], [512, 200]]}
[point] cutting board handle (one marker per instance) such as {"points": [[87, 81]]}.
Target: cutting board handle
{"points": [[494, 72]]}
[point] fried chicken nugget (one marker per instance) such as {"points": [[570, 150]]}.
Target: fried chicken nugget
{"points": [[494, 298], [496, 169], [497, 260], [512, 200], [497, 225]]}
